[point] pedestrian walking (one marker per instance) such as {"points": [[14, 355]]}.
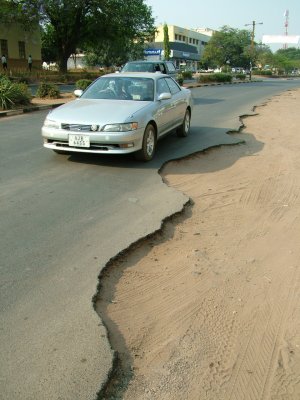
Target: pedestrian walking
{"points": [[4, 62], [30, 62]]}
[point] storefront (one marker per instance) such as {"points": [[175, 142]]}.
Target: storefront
{"points": [[183, 55]]}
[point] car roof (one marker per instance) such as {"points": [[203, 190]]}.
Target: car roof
{"points": [[145, 62], [155, 75]]}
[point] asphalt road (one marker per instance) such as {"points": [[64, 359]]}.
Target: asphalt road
{"points": [[62, 218]]}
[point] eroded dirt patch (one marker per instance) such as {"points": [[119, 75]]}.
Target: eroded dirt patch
{"points": [[209, 309]]}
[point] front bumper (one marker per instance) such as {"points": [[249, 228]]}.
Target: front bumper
{"points": [[100, 142]]}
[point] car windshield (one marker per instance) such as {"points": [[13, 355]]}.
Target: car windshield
{"points": [[121, 88], [140, 67]]}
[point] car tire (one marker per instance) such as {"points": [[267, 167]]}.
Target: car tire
{"points": [[149, 144], [184, 128]]}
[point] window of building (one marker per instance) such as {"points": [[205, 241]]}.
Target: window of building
{"points": [[197, 42], [194, 41], [183, 38], [22, 50], [4, 47], [190, 40], [176, 36], [179, 37]]}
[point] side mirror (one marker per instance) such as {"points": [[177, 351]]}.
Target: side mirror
{"points": [[164, 96], [78, 92]]}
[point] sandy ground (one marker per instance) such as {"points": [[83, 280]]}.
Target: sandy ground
{"points": [[209, 308]]}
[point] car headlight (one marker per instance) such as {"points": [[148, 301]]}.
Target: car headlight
{"points": [[131, 126], [49, 123]]}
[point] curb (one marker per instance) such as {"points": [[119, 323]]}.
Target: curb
{"points": [[196, 85]]}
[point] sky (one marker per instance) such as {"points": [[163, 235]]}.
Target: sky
{"points": [[216, 13]]}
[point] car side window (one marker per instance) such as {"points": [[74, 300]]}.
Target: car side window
{"points": [[163, 68], [162, 86], [174, 88], [171, 67]]}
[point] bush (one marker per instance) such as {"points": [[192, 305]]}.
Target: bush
{"points": [[179, 79], [23, 94], [48, 90], [83, 83], [187, 74], [13, 94], [263, 72], [218, 77], [242, 77]]}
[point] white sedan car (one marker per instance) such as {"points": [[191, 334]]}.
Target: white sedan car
{"points": [[119, 114]]}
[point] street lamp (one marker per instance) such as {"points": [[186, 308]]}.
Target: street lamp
{"points": [[254, 23]]}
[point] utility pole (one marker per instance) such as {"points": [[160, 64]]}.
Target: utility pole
{"points": [[254, 23]]}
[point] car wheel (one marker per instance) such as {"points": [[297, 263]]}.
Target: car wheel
{"points": [[184, 128], [149, 145]]}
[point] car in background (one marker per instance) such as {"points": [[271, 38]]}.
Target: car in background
{"points": [[238, 70], [165, 67], [120, 114]]}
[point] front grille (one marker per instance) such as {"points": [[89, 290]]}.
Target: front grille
{"points": [[76, 127], [93, 146]]}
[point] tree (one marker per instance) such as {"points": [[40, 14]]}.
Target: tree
{"points": [[228, 46], [287, 59], [12, 12], [48, 44], [264, 56], [283, 60], [292, 53], [85, 23], [109, 53], [167, 50]]}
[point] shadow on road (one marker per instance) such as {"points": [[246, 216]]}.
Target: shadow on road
{"points": [[173, 148]]}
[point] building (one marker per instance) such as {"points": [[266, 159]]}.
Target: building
{"points": [[17, 44], [187, 45]]}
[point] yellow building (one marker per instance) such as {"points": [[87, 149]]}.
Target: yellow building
{"points": [[17, 44], [187, 45]]}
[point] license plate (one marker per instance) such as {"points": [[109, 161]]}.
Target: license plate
{"points": [[79, 140]]}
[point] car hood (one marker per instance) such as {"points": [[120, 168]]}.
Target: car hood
{"points": [[91, 111]]}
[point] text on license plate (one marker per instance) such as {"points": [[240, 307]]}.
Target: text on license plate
{"points": [[79, 140]]}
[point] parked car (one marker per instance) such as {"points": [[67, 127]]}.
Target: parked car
{"points": [[238, 70], [119, 114], [165, 67]]}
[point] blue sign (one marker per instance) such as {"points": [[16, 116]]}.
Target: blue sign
{"points": [[152, 52]]}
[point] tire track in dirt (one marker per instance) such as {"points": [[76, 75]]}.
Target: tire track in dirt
{"points": [[209, 307]]}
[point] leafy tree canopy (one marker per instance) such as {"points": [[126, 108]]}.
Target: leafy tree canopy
{"points": [[292, 53], [283, 60], [72, 24], [229, 46]]}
